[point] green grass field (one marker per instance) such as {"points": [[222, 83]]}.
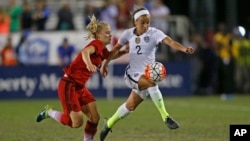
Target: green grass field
{"points": [[201, 119]]}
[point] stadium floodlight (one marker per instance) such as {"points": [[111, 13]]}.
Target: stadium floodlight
{"points": [[242, 31]]}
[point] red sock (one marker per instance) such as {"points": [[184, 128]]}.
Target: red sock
{"points": [[66, 120], [90, 128]]}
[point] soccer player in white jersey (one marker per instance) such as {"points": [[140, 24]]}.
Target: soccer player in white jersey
{"points": [[142, 40]]}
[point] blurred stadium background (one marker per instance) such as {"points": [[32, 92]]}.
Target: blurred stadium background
{"points": [[214, 82]]}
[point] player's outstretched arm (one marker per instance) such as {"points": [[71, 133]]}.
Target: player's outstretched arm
{"points": [[86, 52], [122, 52], [175, 45], [114, 53]]}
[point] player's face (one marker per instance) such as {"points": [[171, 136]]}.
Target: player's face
{"points": [[105, 35], [142, 24]]}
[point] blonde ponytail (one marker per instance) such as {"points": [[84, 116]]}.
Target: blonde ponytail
{"points": [[94, 27]]}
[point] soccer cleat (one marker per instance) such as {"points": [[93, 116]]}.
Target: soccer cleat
{"points": [[44, 113], [105, 130], [171, 124]]}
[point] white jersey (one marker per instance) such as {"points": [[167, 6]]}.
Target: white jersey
{"points": [[142, 49]]}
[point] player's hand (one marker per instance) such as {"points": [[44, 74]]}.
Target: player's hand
{"points": [[104, 71], [127, 48], [189, 50], [92, 68]]}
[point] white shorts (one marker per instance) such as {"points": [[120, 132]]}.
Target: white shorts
{"points": [[131, 80]]}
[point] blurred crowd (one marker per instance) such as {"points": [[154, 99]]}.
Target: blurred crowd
{"points": [[34, 15], [25, 17], [221, 63]]}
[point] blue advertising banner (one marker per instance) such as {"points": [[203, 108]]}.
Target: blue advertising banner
{"points": [[42, 81], [35, 51], [29, 81]]}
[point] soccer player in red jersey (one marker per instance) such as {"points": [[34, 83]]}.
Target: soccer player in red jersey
{"points": [[75, 97]]}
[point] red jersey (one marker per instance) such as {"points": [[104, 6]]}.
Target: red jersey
{"points": [[77, 70]]}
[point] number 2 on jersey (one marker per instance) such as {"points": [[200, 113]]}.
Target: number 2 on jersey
{"points": [[138, 50]]}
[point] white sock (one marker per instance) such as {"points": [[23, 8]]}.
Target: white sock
{"points": [[87, 137], [157, 98], [120, 113], [56, 115], [123, 111]]}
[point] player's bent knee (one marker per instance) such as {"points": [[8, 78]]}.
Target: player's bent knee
{"points": [[77, 119], [77, 123], [96, 119], [130, 107]]}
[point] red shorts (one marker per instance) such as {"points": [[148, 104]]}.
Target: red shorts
{"points": [[72, 96]]}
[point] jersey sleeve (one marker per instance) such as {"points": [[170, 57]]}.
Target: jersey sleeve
{"points": [[124, 38], [97, 45], [159, 36]]}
